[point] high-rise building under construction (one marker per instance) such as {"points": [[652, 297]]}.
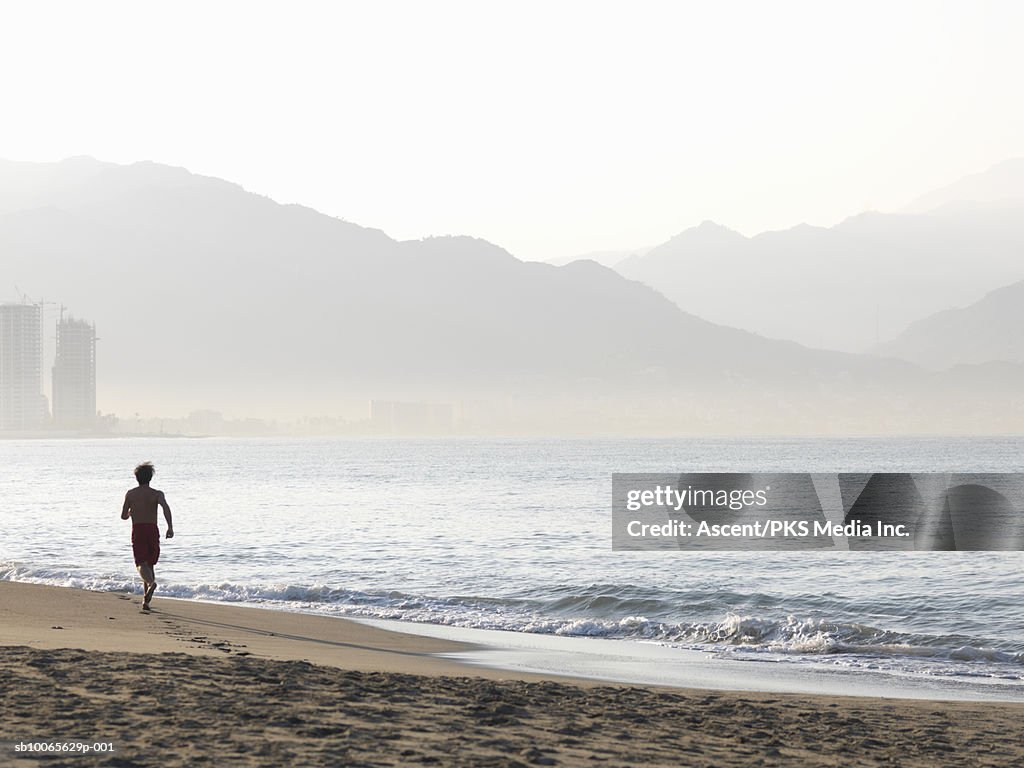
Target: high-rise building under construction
{"points": [[22, 403], [74, 374]]}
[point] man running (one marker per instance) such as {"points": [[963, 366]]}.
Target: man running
{"points": [[140, 504]]}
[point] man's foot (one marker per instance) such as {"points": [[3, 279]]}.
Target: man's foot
{"points": [[145, 607]]}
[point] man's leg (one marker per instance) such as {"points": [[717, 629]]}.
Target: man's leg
{"points": [[149, 581]]}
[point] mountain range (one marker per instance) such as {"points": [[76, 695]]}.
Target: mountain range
{"points": [[988, 330], [205, 295], [1001, 185], [849, 287]]}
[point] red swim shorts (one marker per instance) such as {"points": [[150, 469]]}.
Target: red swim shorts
{"points": [[146, 543]]}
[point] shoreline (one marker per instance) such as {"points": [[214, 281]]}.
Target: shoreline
{"points": [[664, 665], [197, 683], [49, 618], [370, 644]]}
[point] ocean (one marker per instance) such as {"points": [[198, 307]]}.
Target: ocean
{"points": [[515, 535]]}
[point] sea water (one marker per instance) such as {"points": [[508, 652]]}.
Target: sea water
{"points": [[515, 535]]}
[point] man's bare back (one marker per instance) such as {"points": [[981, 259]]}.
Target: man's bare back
{"points": [[142, 504]]}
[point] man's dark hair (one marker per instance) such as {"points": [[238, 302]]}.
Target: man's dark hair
{"points": [[144, 473]]}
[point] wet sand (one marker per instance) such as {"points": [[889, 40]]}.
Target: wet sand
{"points": [[195, 684]]}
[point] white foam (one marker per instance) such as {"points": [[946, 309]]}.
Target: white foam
{"points": [[734, 635]]}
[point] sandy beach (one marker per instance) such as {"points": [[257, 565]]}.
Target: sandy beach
{"points": [[201, 684]]}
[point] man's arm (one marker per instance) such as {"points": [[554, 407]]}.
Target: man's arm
{"points": [[126, 510], [162, 501]]}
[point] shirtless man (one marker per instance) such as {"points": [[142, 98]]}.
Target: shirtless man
{"points": [[140, 504]]}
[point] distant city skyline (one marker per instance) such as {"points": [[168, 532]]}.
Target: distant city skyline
{"points": [[70, 391], [549, 130]]}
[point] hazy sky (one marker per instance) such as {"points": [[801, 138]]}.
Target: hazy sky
{"points": [[550, 128]]}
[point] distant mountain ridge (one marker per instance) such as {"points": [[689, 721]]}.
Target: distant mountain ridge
{"points": [[846, 287], [604, 258], [1003, 184], [207, 296], [706, 238], [991, 329]]}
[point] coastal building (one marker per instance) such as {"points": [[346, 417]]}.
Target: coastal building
{"points": [[22, 403], [74, 375]]}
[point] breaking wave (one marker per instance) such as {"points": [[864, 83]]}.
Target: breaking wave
{"points": [[605, 616]]}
